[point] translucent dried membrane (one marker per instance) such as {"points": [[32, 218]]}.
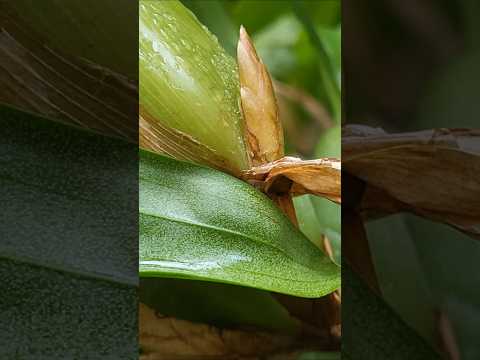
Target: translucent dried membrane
{"points": [[189, 85]]}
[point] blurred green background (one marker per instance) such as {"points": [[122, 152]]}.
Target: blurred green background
{"points": [[412, 65]]}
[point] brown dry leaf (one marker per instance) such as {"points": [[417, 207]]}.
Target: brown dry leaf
{"points": [[72, 90], [432, 173], [321, 177], [167, 338], [264, 131]]}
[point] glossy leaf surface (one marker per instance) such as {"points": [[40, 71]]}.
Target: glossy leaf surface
{"points": [[189, 88], [200, 223]]}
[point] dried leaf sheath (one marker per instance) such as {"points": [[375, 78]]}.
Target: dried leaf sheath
{"points": [[433, 173], [320, 177], [264, 132], [156, 137], [163, 337], [68, 89]]}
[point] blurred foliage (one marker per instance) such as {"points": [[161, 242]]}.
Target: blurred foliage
{"points": [[411, 66], [222, 305]]}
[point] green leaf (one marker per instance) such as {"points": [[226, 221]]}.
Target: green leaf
{"points": [[217, 304], [189, 86], [326, 12], [329, 144], [326, 57], [449, 261], [276, 46], [389, 236], [265, 12], [320, 356], [307, 219], [372, 330], [68, 249], [317, 217], [199, 223], [212, 14]]}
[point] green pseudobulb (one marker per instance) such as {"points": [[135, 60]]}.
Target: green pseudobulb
{"points": [[189, 84]]}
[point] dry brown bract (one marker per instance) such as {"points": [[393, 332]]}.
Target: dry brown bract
{"points": [[320, 177], [167, 338], [432, 173], [264, 133]]}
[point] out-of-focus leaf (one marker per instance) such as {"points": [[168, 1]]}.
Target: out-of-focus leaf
{"points": [[452, 96], [325, 60], [255, 15], [212, 14], [68, 249], [396, 262], [66, 84], [221, 305], [377, 333], [440, 248], [199, 223], [464, 318], [325, 12], [332, 41], [276, 45], [307, 219], [329, 144], [433, 173], [98, 31], [317, 217], [320, 356]]}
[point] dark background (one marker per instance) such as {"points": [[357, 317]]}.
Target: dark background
{"points": [[68, 179], [409, 66]]}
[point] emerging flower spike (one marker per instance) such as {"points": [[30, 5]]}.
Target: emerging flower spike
{"points": [[264, 132]]}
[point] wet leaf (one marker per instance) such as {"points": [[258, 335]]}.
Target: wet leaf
{"points": [[189, 87], [213, 15], [199, 223]]}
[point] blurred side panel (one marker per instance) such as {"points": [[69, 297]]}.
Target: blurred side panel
{"points": [[68, 179], [411, 155]]}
